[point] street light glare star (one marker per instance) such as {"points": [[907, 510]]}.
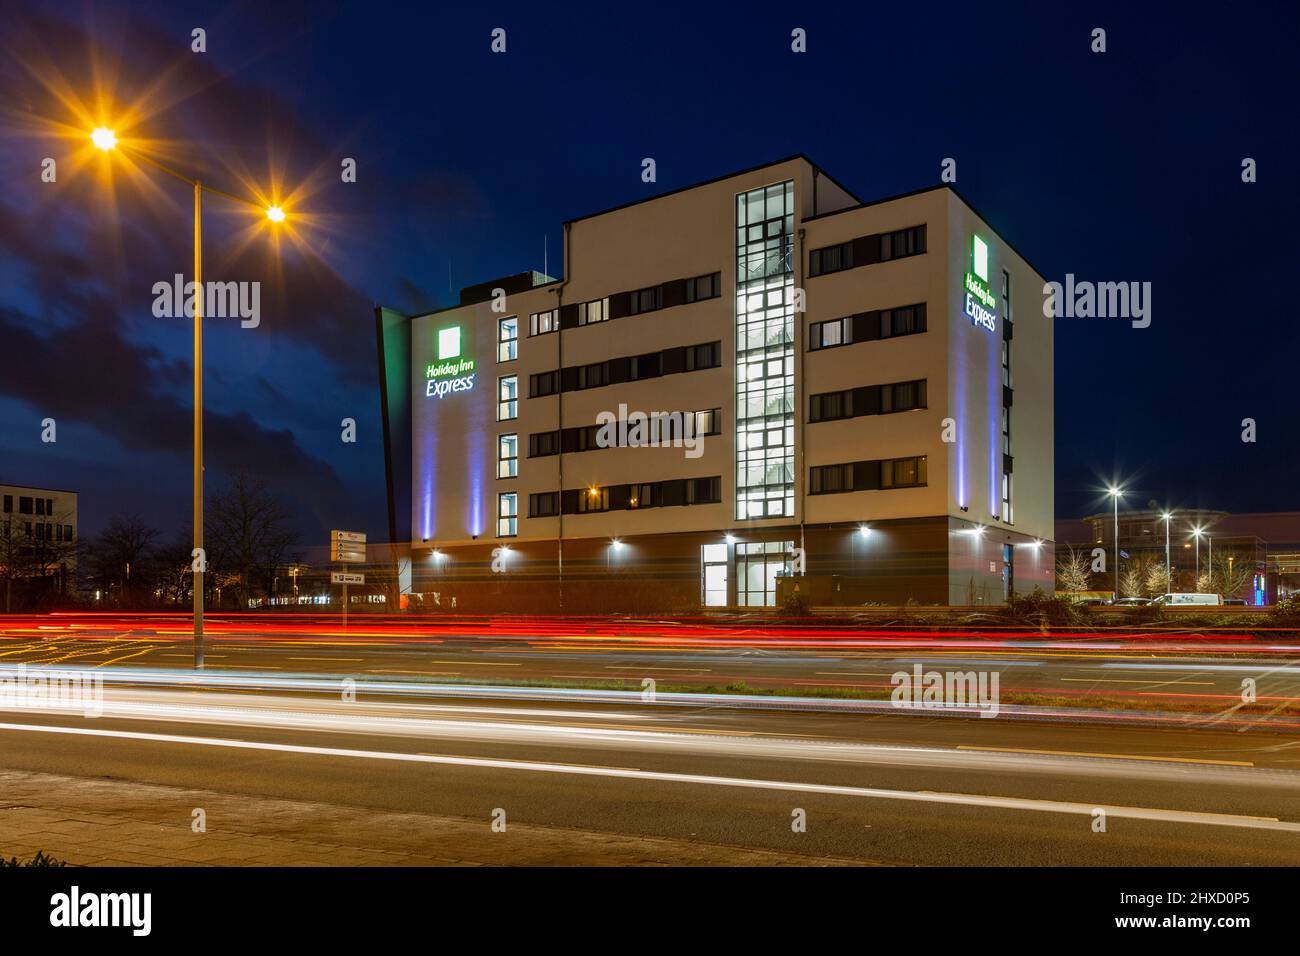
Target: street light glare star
{"points": [[275, 214], [103, 138]]}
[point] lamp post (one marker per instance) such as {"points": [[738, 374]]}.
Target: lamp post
{"points": [[1116, 493], [1169, 576], [106, 140], [1196, 533]]}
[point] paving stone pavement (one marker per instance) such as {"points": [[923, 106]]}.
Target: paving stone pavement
{"points": [[99, 822]]}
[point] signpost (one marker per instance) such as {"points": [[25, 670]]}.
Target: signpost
{"points": [[347, 547]]}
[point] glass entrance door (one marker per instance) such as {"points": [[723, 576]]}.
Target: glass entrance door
{"points": [[758, 563]]}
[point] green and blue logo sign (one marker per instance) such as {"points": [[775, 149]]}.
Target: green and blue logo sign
{"points": [[981, 304], [452, 372]]}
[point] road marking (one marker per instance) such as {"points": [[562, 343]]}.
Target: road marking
{"points": [[855, 674], [587, 766], [912, 796], [1078, 753], [479, 663], [633, 667], [348, 660], [1119, 680]]}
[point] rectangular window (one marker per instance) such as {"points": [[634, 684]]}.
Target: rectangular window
{"points": [[67, 532], [507, 514], [1007, 514], [646, 300], [24, 505], [902, 396], [9, 503], [544, 505], [543, 444], [595, 311], [825, 335], [830, 479], [543, 383], [704, 287], [593, 376], [508, 339], [507, 398], [703, 356], [507, 456], [903, 472], [831, 259], [1006, 430], [905, 320], [903, 243], [592, 500], [540, 323]]}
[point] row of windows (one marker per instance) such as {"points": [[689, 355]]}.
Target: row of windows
{"points": [[631, 368], [866, 250], [867, 326], [27, 506], [867, 475], [659, 429], [629, 497], [638, 302], [867, 400], [42, 531]]}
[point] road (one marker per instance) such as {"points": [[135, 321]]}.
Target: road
{"points": [[875, 789], [1170, 675]]}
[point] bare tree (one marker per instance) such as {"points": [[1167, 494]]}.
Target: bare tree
{"points": [[1231, 573], [119, 559], [248, 534], [1072, 572]]}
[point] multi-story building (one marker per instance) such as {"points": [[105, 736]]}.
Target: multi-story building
{"points": [[38, 535], [755, 378]]}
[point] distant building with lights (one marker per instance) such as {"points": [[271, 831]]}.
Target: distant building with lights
{"points": [[1260, 552], [38, 544], [738, 389]]}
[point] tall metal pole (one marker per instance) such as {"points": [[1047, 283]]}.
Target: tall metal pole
{"points": [[1116, 547], [1210, 561], [1169, 575], [198, 426], [1197, 582]]}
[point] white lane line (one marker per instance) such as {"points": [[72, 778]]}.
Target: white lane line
{"points": [[915, 796]]}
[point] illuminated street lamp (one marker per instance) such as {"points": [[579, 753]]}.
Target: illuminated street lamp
{"points": [[1116, 493], [106, 140], [1196, 533], [1169, 580]]}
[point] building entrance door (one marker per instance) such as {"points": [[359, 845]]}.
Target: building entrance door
{"points": [[758, 563], [713, 575]]}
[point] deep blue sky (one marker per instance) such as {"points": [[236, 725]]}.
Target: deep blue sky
{"points": [[1120, 166]]}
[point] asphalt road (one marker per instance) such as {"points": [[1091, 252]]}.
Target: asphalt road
{"points": [[889, 789], [1144, 673]]}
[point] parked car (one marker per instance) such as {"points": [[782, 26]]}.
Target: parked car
{"points": [[1133, 602], [1237, 602], [1180, 599]]}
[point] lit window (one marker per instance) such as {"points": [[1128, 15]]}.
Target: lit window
{"points": [[540, 323], [508, 339], [507, 456], [507, 398], [507, 514]]}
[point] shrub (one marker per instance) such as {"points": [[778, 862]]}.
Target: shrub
{"points": [[1041, 610], [40, 859], [1286, 613]]}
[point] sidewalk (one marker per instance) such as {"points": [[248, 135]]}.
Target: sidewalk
{"points": [[94, 822]]}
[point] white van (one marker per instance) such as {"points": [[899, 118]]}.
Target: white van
{"points": [[1180, 599]]}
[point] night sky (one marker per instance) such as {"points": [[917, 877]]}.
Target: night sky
{"points": [[1119, 166]]}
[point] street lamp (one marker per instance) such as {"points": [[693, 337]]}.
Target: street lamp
{"points": [[106, 139], [1196, 533], [1169, 579], [1116, 493]]}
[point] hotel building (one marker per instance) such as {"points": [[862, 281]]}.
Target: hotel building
{"points": [[756, 385]]}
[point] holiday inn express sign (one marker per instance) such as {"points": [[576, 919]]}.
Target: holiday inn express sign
{"points": [[452, 372], [980, 301]]}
